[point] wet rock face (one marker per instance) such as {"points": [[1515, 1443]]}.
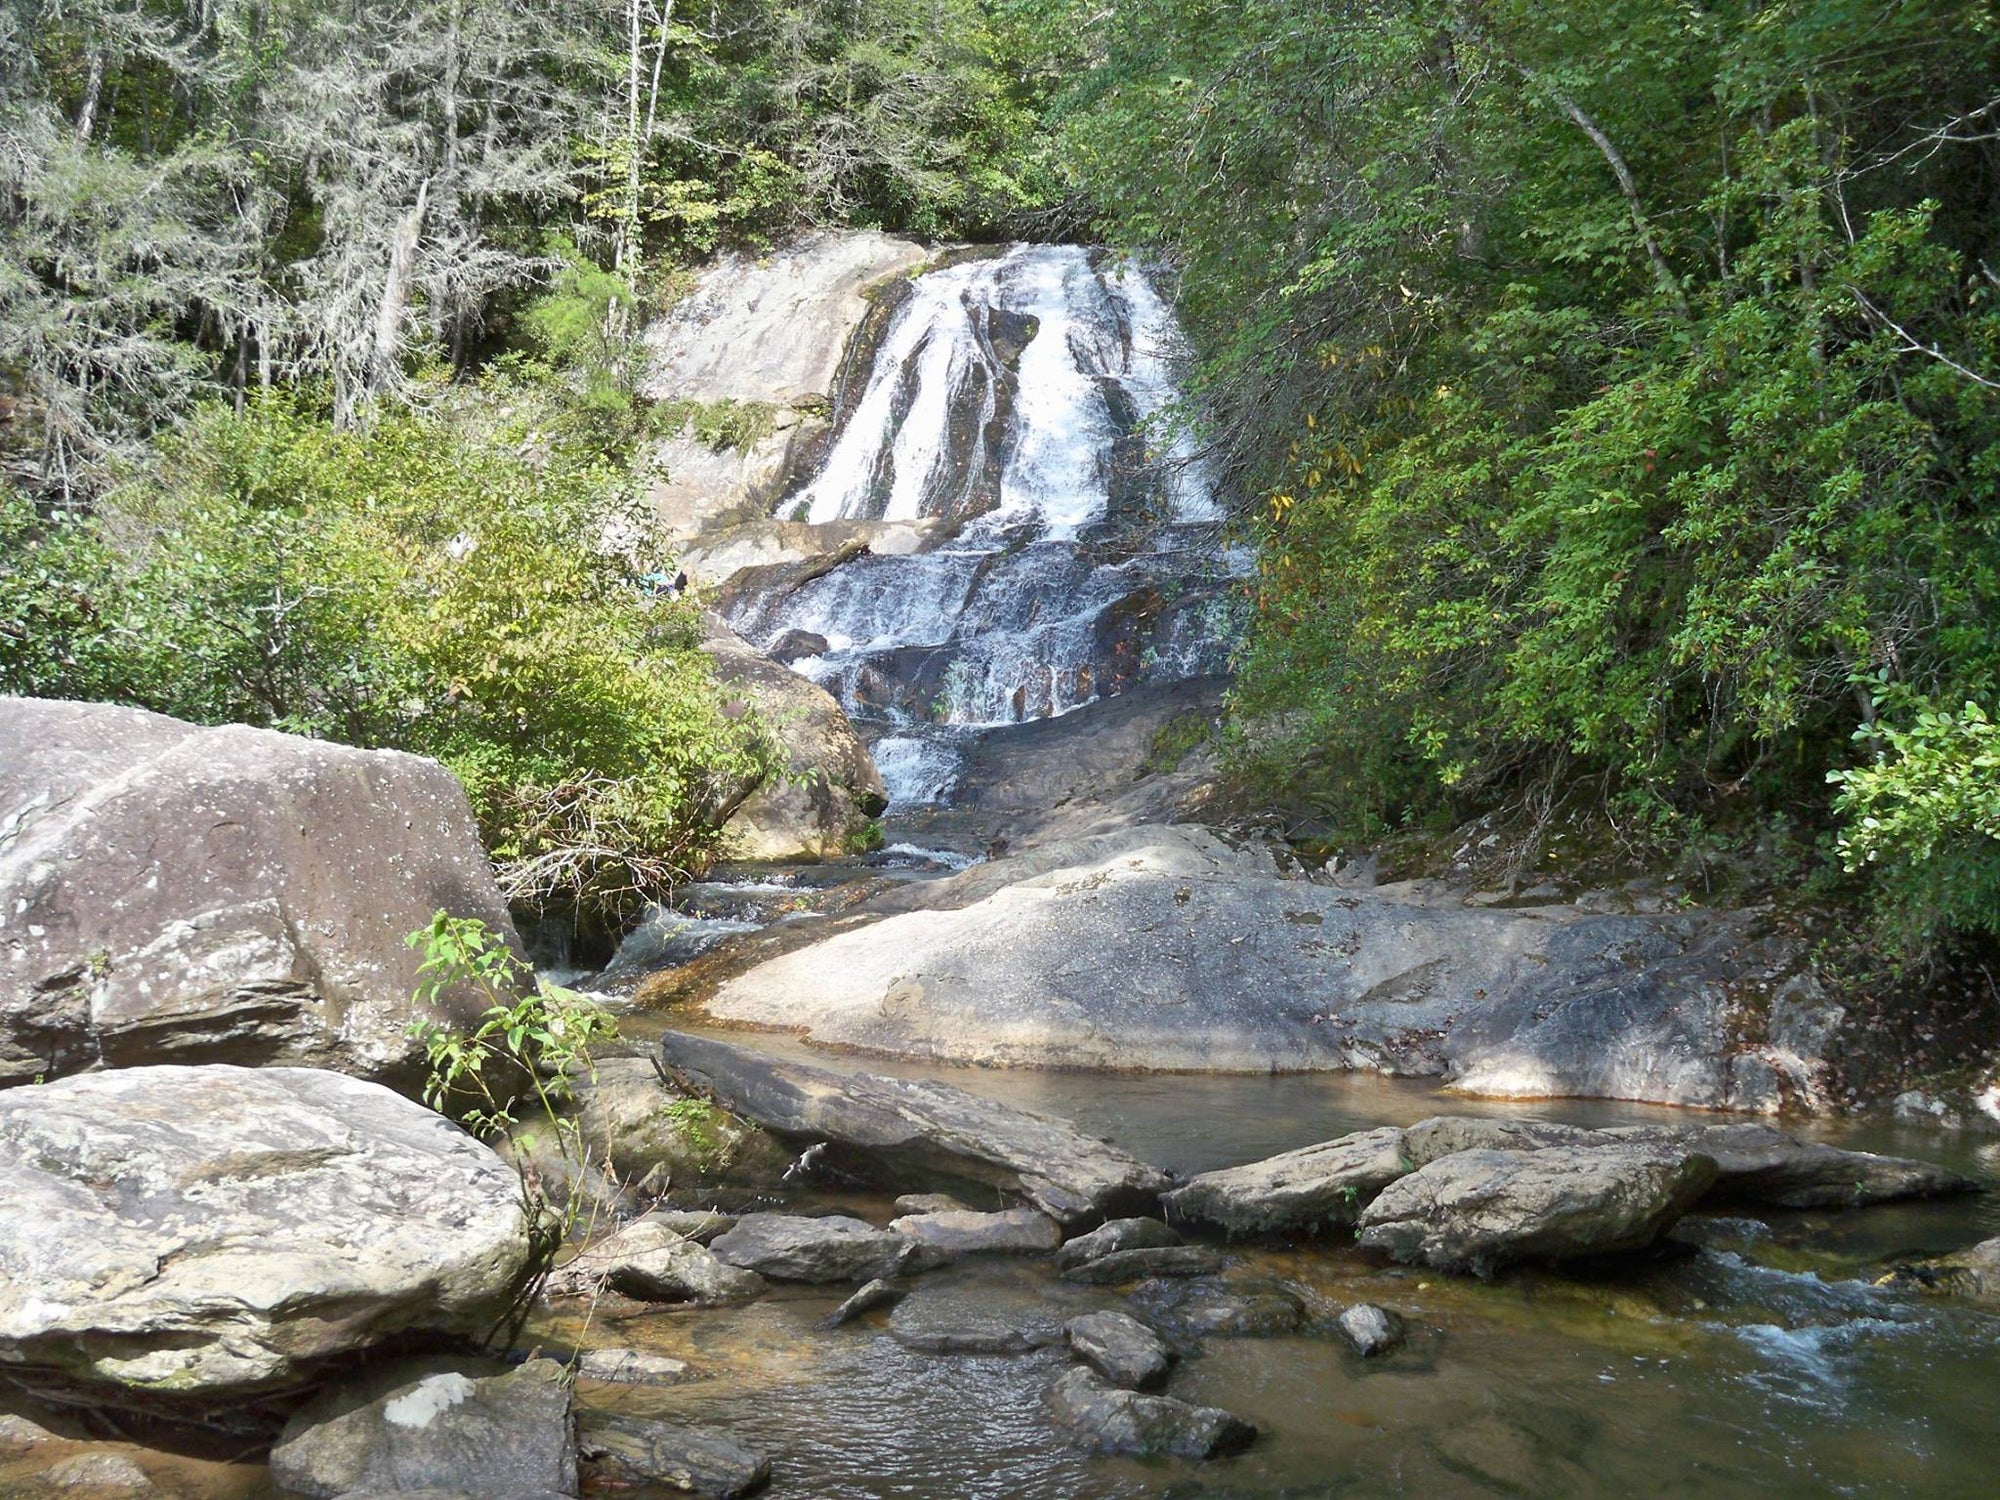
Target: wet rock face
{"points": [[627, 1451], [1973, 1272], [1478, 1210], [1070, 1176], [193, 1232], [1195, 1310], [170, 893], [786, 1247], [502, 1437], [1370, 1329], [1121, 1267], [1106, 1419], [1018, 1231], [950, 1324], [649, 1261], [1120, 1348], [1308, 1189]]}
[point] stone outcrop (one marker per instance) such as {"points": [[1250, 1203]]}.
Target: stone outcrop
{"points": [[430, 1426], [827, 787], [170, 893], [213, 1231], [922, 1125], [768, 333], [1479, 1210], [1167, 948]]}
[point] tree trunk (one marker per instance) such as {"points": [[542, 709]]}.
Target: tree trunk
{"points": [[93, 91], [382, 365]]}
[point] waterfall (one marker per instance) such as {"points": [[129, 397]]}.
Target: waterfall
{"points": [[1018, 401]]}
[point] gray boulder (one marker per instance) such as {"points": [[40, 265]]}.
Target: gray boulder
{"points": [[1479, 1210], [1106, 1419], [1017, 1231], [787, 1247], [1166, 948], [197, 1232], [648, 1260], [1120, 1348], [922, 1125], [170, 893], [1195, 1310], [426, 1425], [950, 1324], [1122, 1266], [1118, 1234], [1370, 1329], [1763, 1165], [1302, 1190], [635, 1451]]}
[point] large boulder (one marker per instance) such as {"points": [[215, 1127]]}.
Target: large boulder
{"points": [[826, 789], [1479, 1210], [430, 1425], [1168, 948], [770, 333], [922, 1125], [1308, 1189], [216, 1231], [176, 894]]}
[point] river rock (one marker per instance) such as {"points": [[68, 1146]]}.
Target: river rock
{"points": [[1303, 1190], [1370, 1329], [1166, 948], [922, 1125], [1105, 1419], [646, 1132], [1761, 1164], [1120, 1348], [96, 1476], [826, 788], [1122, 1266], [635, 1450], [1973, 1272], [949, 1324], [1118, 1234], [867, 1299], [218, 1230], [1017, 1231], [1479, 1210], [174, 894], [418, 1426], [931, 1203], [787, 1247], [1446, 1135], [1195, 1310], [701, 1225], [649, 1261], [632, 1367]]}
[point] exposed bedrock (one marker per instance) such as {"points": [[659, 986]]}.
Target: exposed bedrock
{"points": [[1165, 947], [170, 893]]}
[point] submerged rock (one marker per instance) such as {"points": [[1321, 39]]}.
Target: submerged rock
{"points": [[175, 894], [951, 1324], [1018, 1231], [1205, 1309], [649, 1261], [191, 1232], [788, 1247], [1118, 1234], [1122, 1266], [1479, 1210], [632, 1367], [636, 1450], [1760, 1164], [923, 1125], [1370, 1329], [419, 1426], [875, 1294], [1307, 1189], [1106, 1419], [1120, 1348]]}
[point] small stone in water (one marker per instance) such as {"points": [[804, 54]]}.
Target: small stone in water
{"points": [[1372, 1330], [1120, 1348], [632, 1367], [1119, 1234], [875, 1294]]}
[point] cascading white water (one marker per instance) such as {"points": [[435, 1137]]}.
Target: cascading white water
{"points": [[1019, 401]]}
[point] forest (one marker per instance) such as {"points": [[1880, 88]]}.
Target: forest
{"points": [[1611, 393]]}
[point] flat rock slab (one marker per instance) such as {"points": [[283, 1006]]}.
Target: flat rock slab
{"points": [[1118, 1234], [195, 1231], [1478, 1210], [177, 894], [1018, 1231], [1106, 1419], [952, 1325], [1761, 1164], [1447, 1135], [650, 1261], [1122, 1266], [1120, 1348], [417, 1426], [633, 1367], [636, 1451], [788, 1247], [1308, 1189], [924, 1125]]}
